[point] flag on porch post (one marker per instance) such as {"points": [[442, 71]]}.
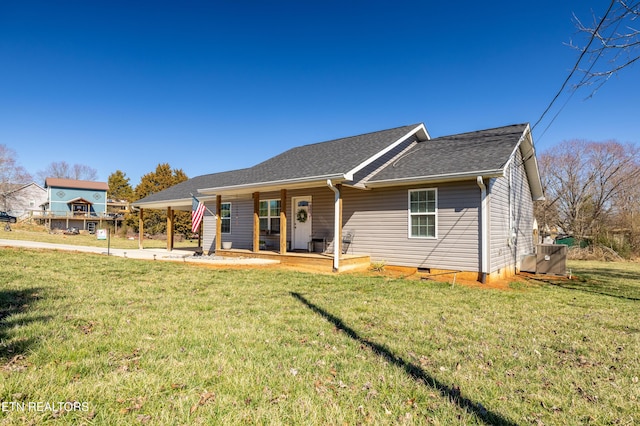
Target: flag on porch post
{"points": [[197, 213]]}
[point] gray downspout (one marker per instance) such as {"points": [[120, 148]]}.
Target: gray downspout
{"points": [[484, 231], [336, 226]]}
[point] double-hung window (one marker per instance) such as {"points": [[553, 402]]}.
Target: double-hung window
{"points": [[225, 216], [423, 213], [269, 216]]}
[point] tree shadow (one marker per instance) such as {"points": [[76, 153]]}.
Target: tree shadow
{"points": [[594, 285], [418, 374], [14, 302]]}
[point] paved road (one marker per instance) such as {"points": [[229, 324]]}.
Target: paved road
{"points": [[177, 255]]}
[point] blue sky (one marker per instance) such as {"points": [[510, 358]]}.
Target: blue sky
{"points": [[217, 85]]}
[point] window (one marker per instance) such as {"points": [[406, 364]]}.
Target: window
{"points": [[225, 216], [422, 213], [269, 216]]}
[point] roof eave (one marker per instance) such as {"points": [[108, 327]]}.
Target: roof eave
{"points": [[449, 177], [274, 185], [176, 203], [531, 165]]}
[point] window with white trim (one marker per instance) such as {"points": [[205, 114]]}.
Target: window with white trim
{"points": [[225, 217], [269, 213], [422, 213]]}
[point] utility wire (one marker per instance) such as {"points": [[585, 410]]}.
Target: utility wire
{"points": [[585, 77], [575, 67]]}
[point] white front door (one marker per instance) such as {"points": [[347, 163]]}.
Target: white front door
{"points": [[301, 214]]}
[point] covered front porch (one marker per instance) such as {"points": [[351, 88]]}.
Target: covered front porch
{"points": [[274, 223]]}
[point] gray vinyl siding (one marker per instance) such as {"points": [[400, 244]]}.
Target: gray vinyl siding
{"points": [[209, 229], [242, 217], [241, 234], [379, 219], [514, 196]]}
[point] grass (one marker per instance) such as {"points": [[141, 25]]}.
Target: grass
{"points": [[27, 232], [157, 343]]}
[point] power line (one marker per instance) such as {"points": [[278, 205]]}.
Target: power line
{"points": [[585, 77], [575, 67]]}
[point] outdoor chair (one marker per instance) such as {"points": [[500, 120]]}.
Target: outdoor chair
{"points": [[347, 239]]}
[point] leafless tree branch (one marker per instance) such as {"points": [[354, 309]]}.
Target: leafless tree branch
{"points": [[613, 43]]}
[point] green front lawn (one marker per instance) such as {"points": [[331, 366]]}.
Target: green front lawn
{"points": [[27, 232], [122, 341]]}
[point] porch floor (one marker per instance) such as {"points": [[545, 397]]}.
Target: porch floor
{"points": [[304, 260]]}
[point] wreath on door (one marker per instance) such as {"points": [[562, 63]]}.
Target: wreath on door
{"points": [[302, 216]]}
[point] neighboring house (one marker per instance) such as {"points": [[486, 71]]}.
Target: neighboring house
{"points": [[454, 203], [75, 203], [21, 200]]}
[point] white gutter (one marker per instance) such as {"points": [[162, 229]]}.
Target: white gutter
{"points": [[449, 177], [484, 230], [274, 183], [337, 244], [177, 202]]}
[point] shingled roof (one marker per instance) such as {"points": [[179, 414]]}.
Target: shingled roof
{"points": [[484, 152], [318, 161], [75, 183]]}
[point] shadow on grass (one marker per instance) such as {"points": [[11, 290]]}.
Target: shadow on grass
{"points": [[412, 370], [13, 302], [595, 284]]}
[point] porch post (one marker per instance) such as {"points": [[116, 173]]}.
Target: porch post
{"points": [[283, 221], [141, 229], [337, 225], [256, 222], [169, 229], [339, 219], [218, 222]]}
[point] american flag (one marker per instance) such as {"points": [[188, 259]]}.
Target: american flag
{"points": [[197, 213]]}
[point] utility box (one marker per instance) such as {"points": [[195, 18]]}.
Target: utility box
{"points": [[551, 259], [529, 263]]}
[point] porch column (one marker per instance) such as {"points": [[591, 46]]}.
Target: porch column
{"points": [[337, 225], [339, 219], [256, 222], [141, 229], [218, 222], [170, 226], [283, 221]]}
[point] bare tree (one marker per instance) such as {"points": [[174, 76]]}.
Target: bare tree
{"points": [[613, 42], [584, 180], [11, 175], [62, 169], [626, 217]]}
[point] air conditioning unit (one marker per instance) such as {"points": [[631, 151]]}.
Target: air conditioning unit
{"points": [[529, 263], [551, 259]]}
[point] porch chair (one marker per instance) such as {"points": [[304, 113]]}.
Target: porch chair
{"points": [[347, 239]]}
